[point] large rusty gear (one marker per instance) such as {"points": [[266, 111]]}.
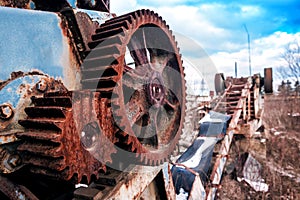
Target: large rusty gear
{"points": [[147, 95]]}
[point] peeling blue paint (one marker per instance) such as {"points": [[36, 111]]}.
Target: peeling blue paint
{"points": [[30, 40], [13, 91]]}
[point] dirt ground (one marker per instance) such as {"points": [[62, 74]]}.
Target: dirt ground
{"points": [[277, 149]]}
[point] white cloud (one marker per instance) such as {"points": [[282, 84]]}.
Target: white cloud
{"points": [[250, 11], [265, 52], [190, 22], [218, 30]]}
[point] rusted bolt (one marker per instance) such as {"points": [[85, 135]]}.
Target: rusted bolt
{"points": [[90, 135], [42, 85], [14, 161], [6, 112], [156, 91]]}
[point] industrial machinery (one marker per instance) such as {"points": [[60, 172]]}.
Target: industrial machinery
{"points": [[81, 91]]}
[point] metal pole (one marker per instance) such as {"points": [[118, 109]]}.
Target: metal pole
{"points": [[235, 69], [250, 71]]}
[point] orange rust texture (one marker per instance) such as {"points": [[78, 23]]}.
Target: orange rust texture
{"points": [[15, 3], [87, 27], [90, 108]]}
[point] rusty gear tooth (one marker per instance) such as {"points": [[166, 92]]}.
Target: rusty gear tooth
{"points": [[42, 124], [65, 102], [114, 24], [121, 136], [36, 135], [103, 61], [108, 40], [99, 70], [109, 49], [142, 158], [108, 33], [118, 20], [49, 112], [62, 175], [150, 162], [41, 149], [44, 163], [132, 146]]}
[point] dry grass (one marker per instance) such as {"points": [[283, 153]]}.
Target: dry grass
{"points": [[282, 166], [279, 111], [280, 162]]}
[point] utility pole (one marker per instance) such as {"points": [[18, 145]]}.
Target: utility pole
{"points": [[250, 71]]}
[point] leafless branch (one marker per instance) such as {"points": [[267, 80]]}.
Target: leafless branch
{"points": [[292, 58]]}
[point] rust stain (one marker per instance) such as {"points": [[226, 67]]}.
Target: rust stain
{"points": [[87, 27], [15, 3], [76, 30]]}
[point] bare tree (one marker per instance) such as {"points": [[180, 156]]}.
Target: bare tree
{"points": [[292, 58]]}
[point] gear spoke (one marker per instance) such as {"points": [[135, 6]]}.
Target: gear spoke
{"points": [[148, 135], [159, 59], [138, 49], [135, 78], [173, 106], [171, 101], [136, 107]]}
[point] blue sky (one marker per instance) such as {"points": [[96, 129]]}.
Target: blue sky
{"points": [[218, 28]]}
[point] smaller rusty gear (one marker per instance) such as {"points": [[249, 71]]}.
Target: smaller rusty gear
{"points": [[52, 145]]}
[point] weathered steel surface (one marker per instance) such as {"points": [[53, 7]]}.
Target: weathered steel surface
{"points": [[40, 46], [138, 182], [66, 121], [45, 49], [134, 183]]}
